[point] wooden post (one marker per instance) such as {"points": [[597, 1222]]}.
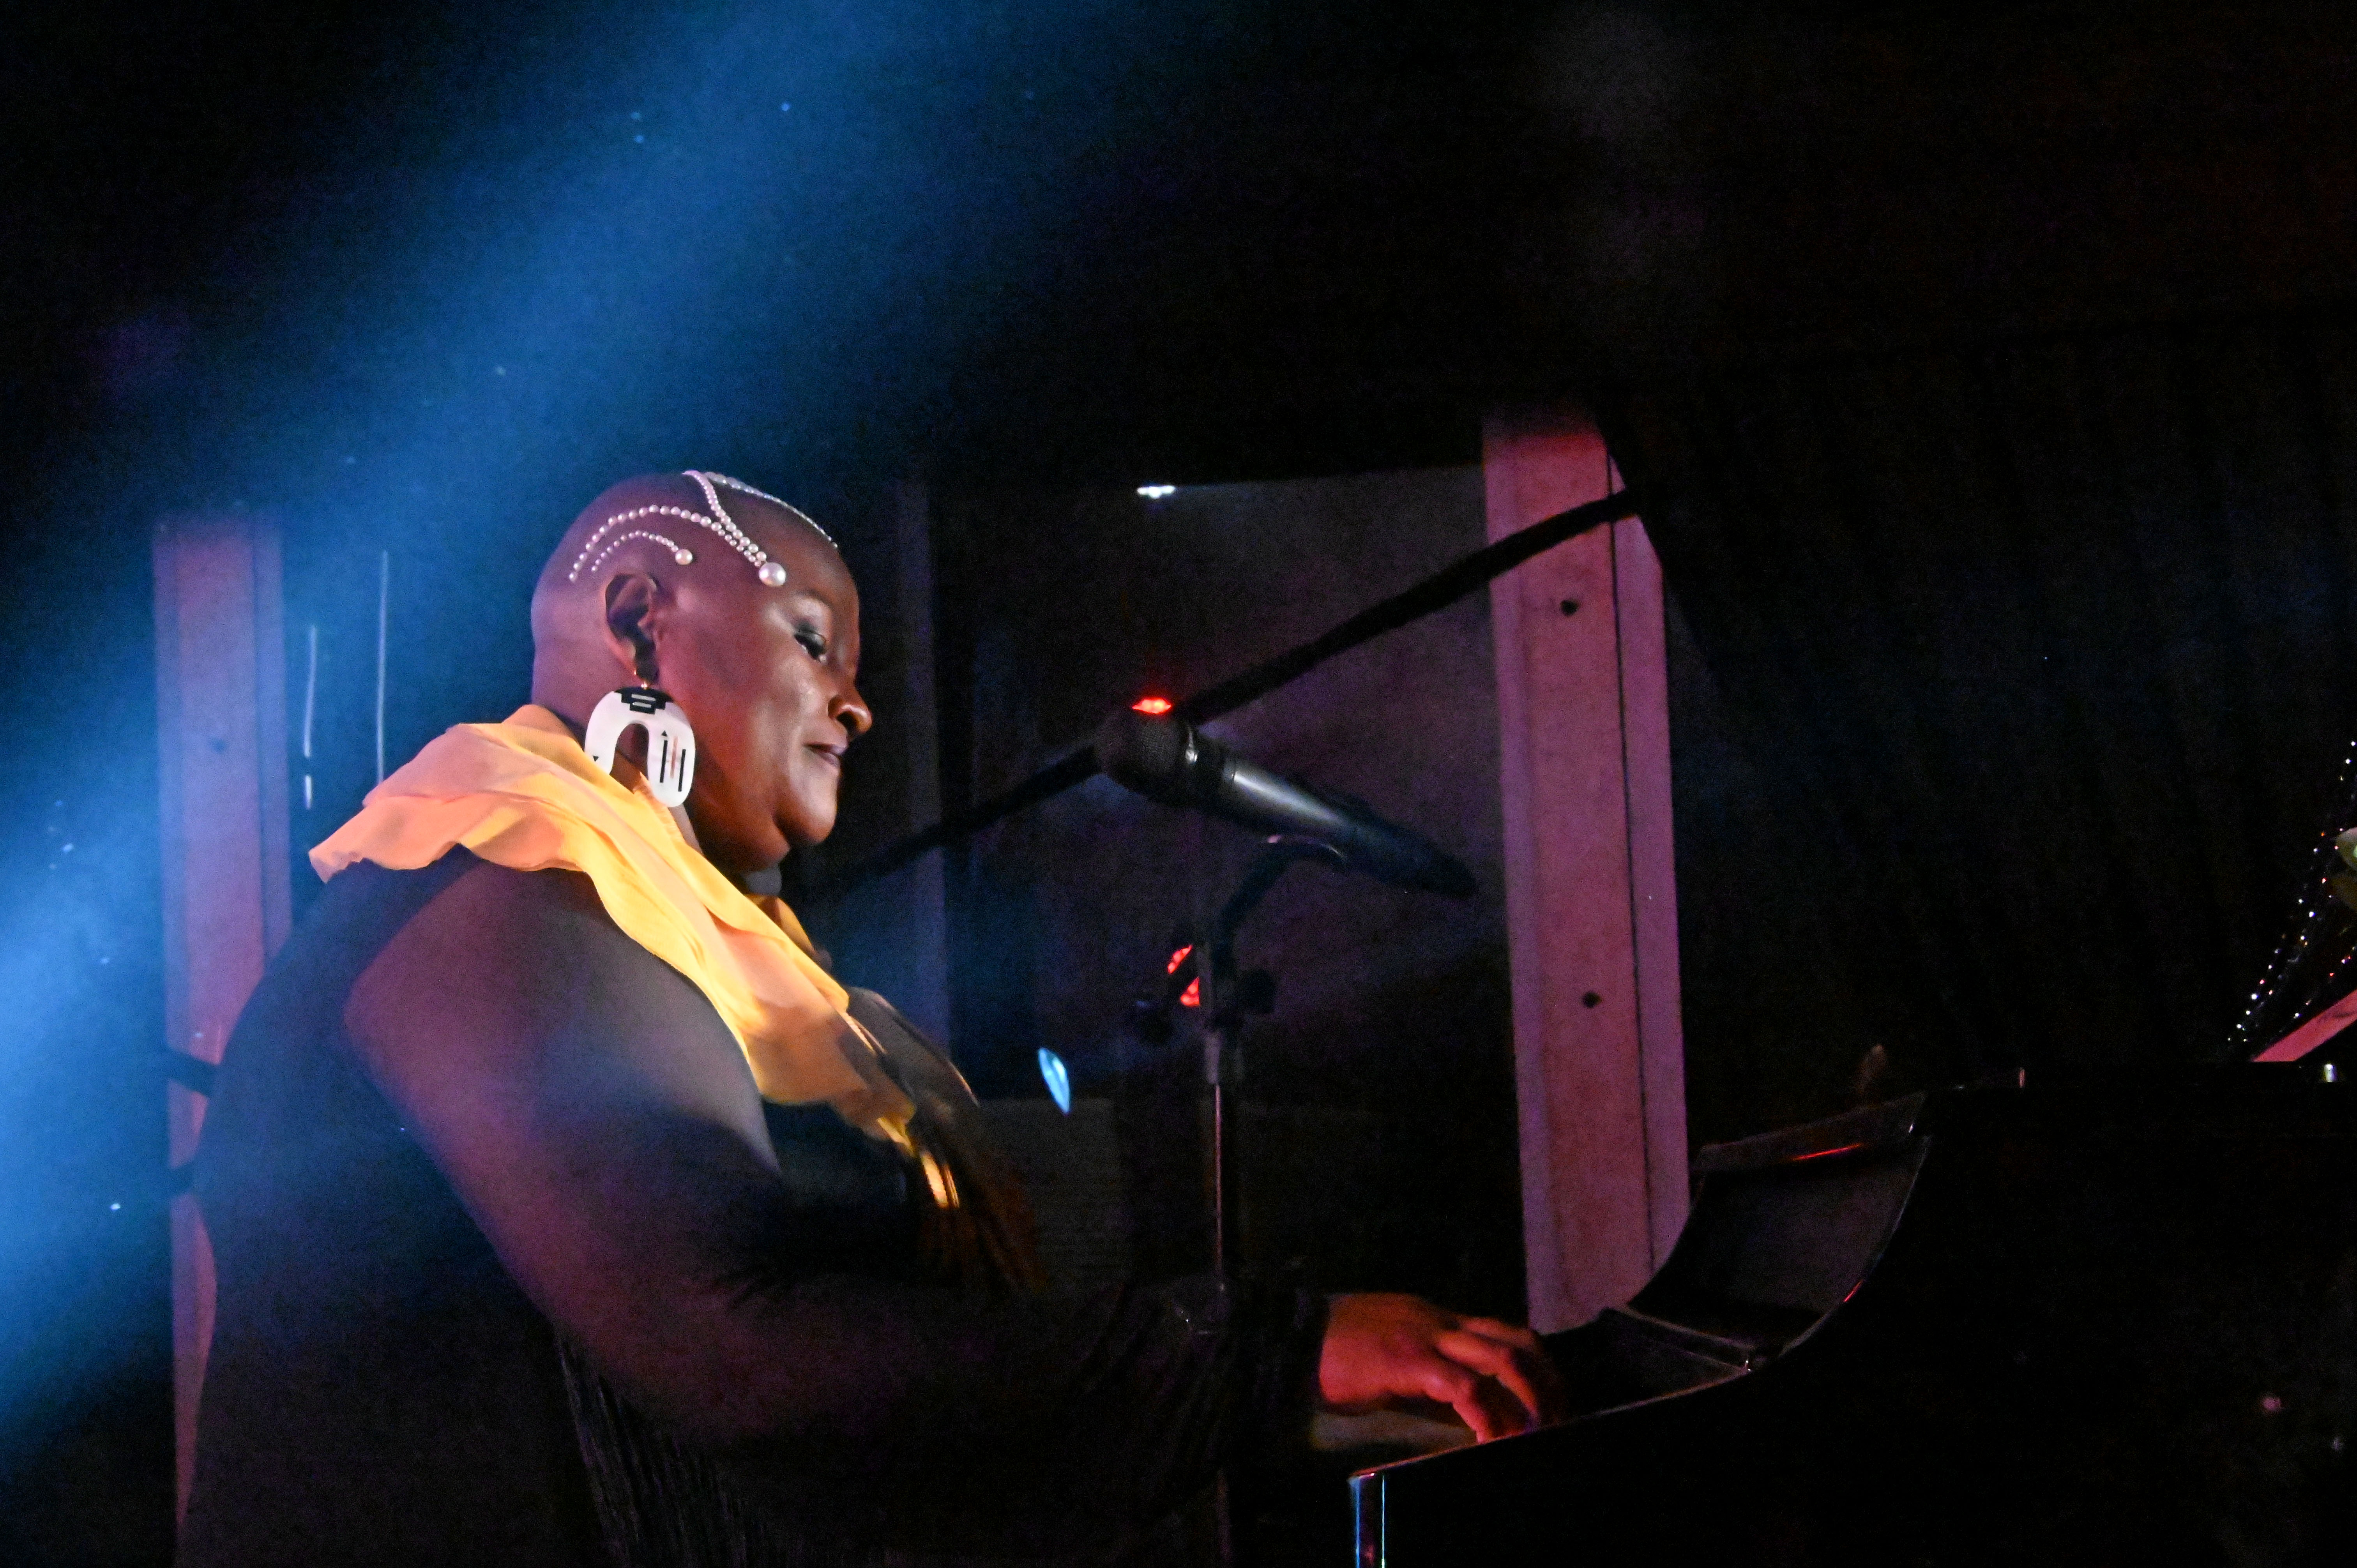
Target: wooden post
{"points": [[221, 709], [1591, 899]]}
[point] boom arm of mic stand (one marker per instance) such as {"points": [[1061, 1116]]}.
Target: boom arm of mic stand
{"points": [[1281, 856]]}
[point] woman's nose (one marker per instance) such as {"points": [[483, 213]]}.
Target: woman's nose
{"points": [[850, 710]]}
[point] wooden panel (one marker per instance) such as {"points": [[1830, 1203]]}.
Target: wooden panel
{"points": [[1644, 672], [1590, 892], [221, 691]]}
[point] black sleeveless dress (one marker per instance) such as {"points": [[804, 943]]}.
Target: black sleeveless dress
{"points": [[379, 1391]]}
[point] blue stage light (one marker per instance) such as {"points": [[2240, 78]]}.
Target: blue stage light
{"points": [[1059, 1080]]}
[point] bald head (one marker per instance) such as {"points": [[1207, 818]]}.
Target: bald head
{"points": [[736, 605], [716, 534]]}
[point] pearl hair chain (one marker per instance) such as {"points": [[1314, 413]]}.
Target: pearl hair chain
{"points": [[678, 551], [772, 572], [709, 479]]}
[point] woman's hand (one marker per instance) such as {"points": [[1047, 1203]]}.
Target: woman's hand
{"points": [[1387, 1351]]}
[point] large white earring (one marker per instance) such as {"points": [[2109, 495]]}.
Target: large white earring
{"points": [[670, 745]]}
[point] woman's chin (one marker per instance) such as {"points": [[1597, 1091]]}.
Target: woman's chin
{"points": [[806, 828]]}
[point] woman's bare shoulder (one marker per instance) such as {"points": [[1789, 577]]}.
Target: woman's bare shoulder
{"points": [[528, 951]]}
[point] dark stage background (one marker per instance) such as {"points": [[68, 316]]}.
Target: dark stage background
{"points": [[1988, 370]]}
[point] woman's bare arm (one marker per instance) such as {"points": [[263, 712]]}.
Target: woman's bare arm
{"points": [[595, 1116]]}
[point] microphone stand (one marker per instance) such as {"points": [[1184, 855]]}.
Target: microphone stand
{"points": [[1226, 999]]}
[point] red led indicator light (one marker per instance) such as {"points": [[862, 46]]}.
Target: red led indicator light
{"points": [[1157, 706]]}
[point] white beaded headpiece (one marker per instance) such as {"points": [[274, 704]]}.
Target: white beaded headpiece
{"points": [[717, 520]]}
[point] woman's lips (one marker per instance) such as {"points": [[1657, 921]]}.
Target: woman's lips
{"points": [[832, 755]]}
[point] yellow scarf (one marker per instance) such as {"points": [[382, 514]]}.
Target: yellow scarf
{"points": [[524, 795]]}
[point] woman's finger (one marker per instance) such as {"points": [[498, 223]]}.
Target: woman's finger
{"points": [[1480, 1403], [1530, 1358], [1504, 1333], [1498, 1363]]}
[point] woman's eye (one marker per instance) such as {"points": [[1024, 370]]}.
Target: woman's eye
{"points": [[812, 644]]}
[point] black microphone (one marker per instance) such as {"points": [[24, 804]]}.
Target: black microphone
{"points": [[1177, 765]]}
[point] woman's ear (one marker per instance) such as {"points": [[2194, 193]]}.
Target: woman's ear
{"points": [[634, 601]]}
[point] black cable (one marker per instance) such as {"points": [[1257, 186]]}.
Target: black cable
{"points": [[1443, 588]]}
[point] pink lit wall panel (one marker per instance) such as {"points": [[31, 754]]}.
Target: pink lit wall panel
{"points": [[221, 689], [1590, 892]]}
